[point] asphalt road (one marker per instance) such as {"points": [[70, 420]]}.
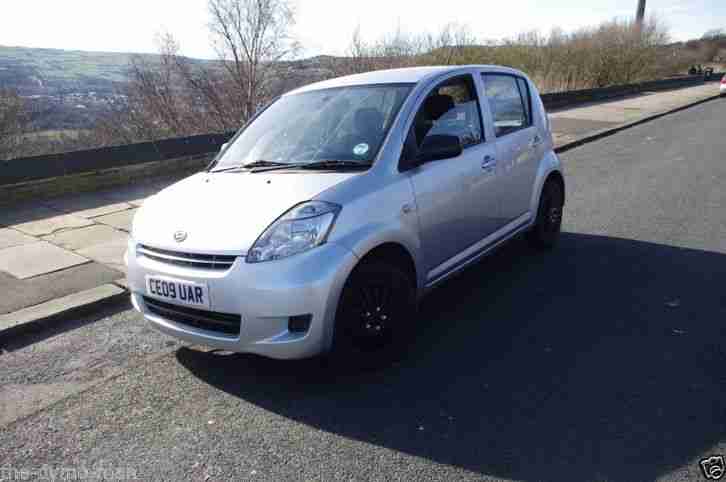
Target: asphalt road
{"points": [[603, 360]]}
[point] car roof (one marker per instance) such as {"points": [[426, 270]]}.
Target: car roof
{"points": [[409, 75]]}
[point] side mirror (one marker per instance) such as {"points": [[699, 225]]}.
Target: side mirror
{"points": [[438, 147]]}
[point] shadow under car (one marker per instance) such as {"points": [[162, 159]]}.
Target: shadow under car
{"points": [[602, 359]]}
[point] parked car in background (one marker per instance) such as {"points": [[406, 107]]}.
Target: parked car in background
{"points": [[323, 222]]}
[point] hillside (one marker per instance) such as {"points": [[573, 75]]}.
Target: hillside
{"points": [[67, 90], [50, 72]]}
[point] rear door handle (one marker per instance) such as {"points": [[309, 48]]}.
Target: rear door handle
{"points": [[488, 163], [537, 140]]}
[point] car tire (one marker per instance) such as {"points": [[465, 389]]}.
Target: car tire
{"points": [[375, 316], [546, 230]]}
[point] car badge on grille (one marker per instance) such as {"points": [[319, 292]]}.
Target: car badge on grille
{"points": [[180, 236]]}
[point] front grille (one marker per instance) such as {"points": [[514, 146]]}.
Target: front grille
{"points": [[226, 323], [204, 261]]}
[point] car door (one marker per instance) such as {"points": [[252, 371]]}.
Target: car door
{"points": [[518, 140], [456, 200]]}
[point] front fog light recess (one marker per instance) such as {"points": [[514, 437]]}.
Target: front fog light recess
{"points": [[302, 228]]}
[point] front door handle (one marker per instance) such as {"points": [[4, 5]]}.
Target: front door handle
{"points": [[488, 163]]}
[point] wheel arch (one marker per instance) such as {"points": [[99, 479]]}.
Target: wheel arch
{"points": [[556, 176], [550, 168], [389, 252], [393, 253]]}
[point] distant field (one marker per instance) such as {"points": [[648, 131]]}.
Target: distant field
{"points": [[49, 71], [56, 82], [53, 134], [67, 64]]}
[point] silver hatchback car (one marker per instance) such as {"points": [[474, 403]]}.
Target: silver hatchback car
{"points": [[322, 223]]}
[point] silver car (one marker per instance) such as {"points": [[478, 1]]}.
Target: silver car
{"points": [[322, 223]]}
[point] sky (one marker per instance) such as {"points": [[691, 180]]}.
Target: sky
{"points": [[323, 26]]}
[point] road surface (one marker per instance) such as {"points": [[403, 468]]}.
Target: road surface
{"points": [[603, 360]]}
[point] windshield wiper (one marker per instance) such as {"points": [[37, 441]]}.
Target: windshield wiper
{"points": [[336, 163], [263, 163], [264, 166], [251, 165], [321, 164]]}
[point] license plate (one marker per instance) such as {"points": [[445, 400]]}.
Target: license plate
{"points": [[178, 291]]}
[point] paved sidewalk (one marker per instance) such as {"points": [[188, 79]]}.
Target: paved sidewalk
{"points": [[58, 247], [71, 248], [569, 125]]}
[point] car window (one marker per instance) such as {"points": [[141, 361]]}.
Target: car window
{"points": [[507, 102], [344, 123], [451, 108], [526, 99]]}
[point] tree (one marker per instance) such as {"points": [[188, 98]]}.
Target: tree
{"points": [[154, 104], [249, 37], [714, 34], [175, 96], [13, 123], [453, 44], [170, 96]]}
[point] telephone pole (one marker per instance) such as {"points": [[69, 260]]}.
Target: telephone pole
{"points": [[640, 16]]}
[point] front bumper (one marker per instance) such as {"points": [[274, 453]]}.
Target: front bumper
{"points": [[265, 294]]}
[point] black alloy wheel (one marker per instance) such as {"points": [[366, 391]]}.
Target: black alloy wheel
{"points": [[375, 315]]}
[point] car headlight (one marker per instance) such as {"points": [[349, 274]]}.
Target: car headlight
{"points": [[302, 228]]}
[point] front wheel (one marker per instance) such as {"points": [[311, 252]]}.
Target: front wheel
{"points": [[375, 315], [547, 227]]}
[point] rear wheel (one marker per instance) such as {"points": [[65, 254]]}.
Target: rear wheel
{"points": [[375, 316], [547, 227]]}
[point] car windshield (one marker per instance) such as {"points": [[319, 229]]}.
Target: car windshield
{"points": [[345, 124]]}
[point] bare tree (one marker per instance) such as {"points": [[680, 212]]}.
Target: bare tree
{"points": [[177, 96], [249, 37], [170, 96], [714, 34], [13, 123], [451, 45], [611, 53]]}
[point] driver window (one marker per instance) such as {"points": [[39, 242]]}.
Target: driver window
{"points": [[452, 108]]}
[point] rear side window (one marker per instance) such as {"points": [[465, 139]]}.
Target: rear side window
{"points": [[526, 99], [509, 101], [452, 108]]}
